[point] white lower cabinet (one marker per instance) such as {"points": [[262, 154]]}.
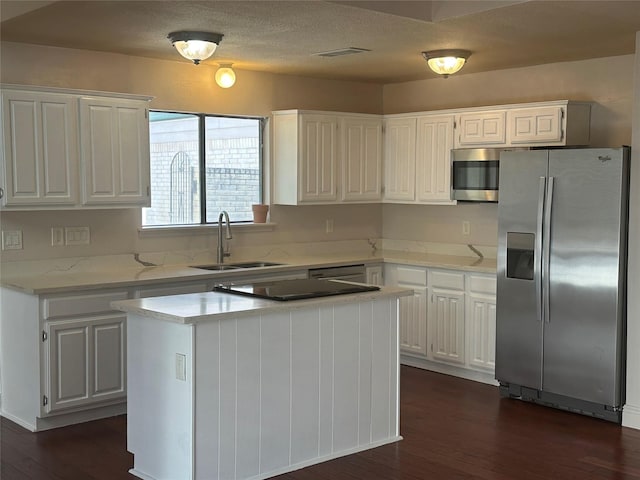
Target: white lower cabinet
{"points": [[83, 350], [448, 325], [446, 316], [84, 361], [413, 309], [481, 321]]}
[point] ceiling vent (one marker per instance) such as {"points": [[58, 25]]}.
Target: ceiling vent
{"points": [[341, 52]]}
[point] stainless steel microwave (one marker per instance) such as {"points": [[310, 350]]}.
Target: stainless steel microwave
{"points": [[475, 174]]}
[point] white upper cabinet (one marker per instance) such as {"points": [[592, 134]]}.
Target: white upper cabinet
{"points": [[40, 149], [318, 151], [400, 159], [482, 128], [418, 159], [305, 157], [433, 158], [326, 157], [538, 125], [64, 149], [361, 159], [115, 151], [561, 124]]}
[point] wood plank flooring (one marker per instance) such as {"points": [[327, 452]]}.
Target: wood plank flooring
{"points": [[452, 428]]}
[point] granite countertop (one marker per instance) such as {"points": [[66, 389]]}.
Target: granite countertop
{"points": [[65, 275], [198, 307]]}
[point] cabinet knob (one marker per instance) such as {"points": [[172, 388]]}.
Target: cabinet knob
{"points": [[1, 192]]}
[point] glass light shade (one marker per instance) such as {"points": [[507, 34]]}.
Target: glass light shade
{"points": [[225, 76], [446, 62], [446, 65], [196, 50], [195, 46]]}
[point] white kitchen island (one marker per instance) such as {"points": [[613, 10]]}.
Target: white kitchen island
{"points": [[222, 386]]}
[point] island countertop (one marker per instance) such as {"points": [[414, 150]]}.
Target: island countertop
{"points": [[193, 308]]}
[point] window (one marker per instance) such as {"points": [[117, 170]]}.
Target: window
{"points": [[203, 164]]}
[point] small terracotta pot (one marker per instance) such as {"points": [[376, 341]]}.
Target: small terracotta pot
{"points": [[260, 213]]}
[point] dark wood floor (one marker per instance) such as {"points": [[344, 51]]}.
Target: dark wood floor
{"points": [[452, 429]]}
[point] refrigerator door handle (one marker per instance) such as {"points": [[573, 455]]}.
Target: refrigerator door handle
{"points": [[537, 265], [546, 250]]}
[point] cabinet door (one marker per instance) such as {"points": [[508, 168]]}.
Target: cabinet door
{"points": [[40, 148], [446, 320], [318, 158], [114, 138], [413, 321], [536, 125], [108, 359], [433, 158], [482, 128], [481, 315], [84, 361], [400, 159], [361, 141]]}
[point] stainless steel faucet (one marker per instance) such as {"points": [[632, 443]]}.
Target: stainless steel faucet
{"points": [[221, 250]]}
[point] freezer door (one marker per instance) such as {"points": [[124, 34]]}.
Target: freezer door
{"points": [[518, 323], [583, 337]]}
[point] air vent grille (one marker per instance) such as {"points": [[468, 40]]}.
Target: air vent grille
{"points": [[342, 51]]}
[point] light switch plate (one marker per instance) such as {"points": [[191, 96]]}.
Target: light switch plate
{"points": [[77, 236], [57, 237], [181, 367], [12, 239]]}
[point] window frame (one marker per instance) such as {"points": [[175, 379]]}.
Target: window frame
{"points": [[202, 147]]}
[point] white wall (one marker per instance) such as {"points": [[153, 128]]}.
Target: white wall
{"points": [[631, 412]]}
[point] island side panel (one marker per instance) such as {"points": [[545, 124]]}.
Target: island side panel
{"points": [[365, 353], [293, 388], [305, 384], [159, 406], [385, 368], [346, 369]]}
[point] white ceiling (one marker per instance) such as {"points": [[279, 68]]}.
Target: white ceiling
{"points": [[282, 36]]}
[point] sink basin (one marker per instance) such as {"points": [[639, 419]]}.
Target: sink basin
{"points": [[254, 264], [216, 267]]}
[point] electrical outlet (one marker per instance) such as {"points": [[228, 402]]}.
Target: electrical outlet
{"points": [[77, 236], [466, 228], [12, 239], [57, 237], [181, 367], [329, 225]]}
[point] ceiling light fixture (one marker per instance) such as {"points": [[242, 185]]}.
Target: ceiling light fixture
{"points": [[225, 76], [446, 62], [195, 46]]}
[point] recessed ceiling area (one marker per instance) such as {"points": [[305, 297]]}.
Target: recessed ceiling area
{"points": [[283, 36]]}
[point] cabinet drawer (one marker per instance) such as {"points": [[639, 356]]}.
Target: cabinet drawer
{"points": [[451, 280], [481, 284], [413, 276], [80, 304]]}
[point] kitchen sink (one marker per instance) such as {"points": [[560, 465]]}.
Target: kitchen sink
{"points": [[216, 267], [234, 266], [255, 264]]}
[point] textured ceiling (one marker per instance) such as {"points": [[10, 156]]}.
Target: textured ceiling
{"points": [[281, 36]]}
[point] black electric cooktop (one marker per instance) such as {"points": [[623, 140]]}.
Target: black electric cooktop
{"points": [[284, 290]]}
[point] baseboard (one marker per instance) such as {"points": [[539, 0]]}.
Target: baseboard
{"points": [[65, 420], [19, 421], [631, 416], [462, 372]]}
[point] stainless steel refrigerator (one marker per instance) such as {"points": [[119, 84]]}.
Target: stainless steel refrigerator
{"points": [[561, 318]]}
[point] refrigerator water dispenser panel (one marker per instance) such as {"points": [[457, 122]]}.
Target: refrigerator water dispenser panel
{"points": [[520, 255]]}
